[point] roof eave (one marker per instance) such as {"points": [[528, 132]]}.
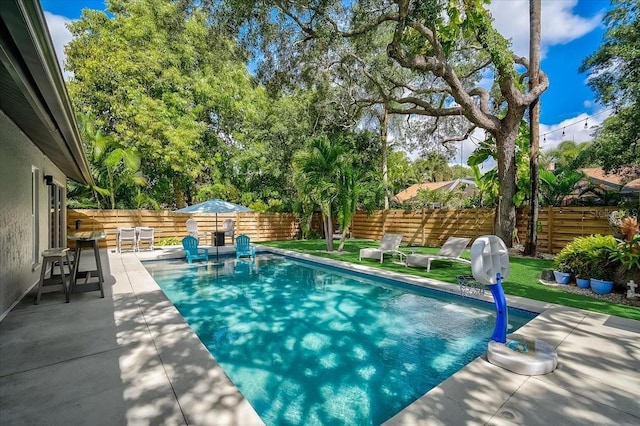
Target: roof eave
{"points": [[28, 55]]}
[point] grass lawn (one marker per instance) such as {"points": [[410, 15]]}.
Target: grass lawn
{"points": [[522, 280]]}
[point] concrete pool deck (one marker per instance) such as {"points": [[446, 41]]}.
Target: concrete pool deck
{"points": [[131, 359]]}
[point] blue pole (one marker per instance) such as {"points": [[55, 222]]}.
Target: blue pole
{"points": [[500, 331]]}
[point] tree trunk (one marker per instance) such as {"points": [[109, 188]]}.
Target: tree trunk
{"points": [[328, 231], [534, 118], [384, 124], [505, 218], [343, 238]]}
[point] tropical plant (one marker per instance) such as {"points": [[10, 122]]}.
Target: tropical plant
{"points": [[319, 171], [555, 187], [115, 168], [627, 253], [587, 256]]}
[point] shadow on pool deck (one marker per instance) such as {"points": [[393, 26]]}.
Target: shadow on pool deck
{"points": [[131, 359]]}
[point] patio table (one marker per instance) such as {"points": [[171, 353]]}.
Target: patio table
{"points": [[87, 239]]}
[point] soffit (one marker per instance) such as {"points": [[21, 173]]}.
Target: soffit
{"points": [[32, 90]]}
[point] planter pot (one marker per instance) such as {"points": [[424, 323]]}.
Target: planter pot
{"points": [[582, 283], [547, 275], [562, 277], [601, 286]]}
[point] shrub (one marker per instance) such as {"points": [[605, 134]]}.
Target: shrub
{"points": [[169, 241], [627, 253], [588, 256]]}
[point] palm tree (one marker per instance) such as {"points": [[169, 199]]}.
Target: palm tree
{"points": [[357, 189], [112, 164], [319, 171]]}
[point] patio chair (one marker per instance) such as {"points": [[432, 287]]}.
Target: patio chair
{"points": [[191, 250], [192, 228], [145, 235], [450, 251], [228, 226], [388, 245], [244, 247], [126, 235]]}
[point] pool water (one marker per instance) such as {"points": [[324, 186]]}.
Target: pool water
{"points": [[311, 345]]}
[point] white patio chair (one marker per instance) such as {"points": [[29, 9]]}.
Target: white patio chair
{"points": [[388, 245], [126, 235], [450, 251], [228, 226], [192, 228], [145, 235]]}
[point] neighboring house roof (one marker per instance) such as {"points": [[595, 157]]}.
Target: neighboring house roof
{"points": [[32, 90], [412, 191], [632, 187], [611, 181]]}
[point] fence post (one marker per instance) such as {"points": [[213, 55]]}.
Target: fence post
{"points": [[423, 225], [550, 230]]}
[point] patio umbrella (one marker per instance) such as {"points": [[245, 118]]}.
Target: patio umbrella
{"points": [[214, 205]]}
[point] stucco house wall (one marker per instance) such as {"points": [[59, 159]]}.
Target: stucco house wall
{"points": [[17, 271], [38, 131]]}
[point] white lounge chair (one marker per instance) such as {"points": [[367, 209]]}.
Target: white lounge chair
{"points": [[450, 251], [145, 235], [126, 235], [388, 245]]}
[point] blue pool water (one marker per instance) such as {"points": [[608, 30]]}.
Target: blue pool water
{"points": [[311, 345]]}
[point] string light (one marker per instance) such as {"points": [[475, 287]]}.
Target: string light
{"points": [[586, 123]]}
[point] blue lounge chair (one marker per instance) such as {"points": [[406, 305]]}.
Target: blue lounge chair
{"points": [[191, 250], [244, 247]]}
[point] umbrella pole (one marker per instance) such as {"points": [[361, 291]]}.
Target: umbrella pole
{"points": [[217, 243]]}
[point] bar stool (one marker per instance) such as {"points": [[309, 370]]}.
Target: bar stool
{"points": [[54, 282]]}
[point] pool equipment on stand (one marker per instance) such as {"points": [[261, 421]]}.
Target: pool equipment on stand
{"points": [[490, 265]]}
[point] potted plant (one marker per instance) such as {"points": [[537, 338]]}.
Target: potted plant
{"points": [[562, 274], [603, 267], [582, 269], [564, 264], [627, 259], [585, 255], [600, 282]]}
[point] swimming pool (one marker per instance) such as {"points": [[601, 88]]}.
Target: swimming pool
{"points": [[308, 344]]}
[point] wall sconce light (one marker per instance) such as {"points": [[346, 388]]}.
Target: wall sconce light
{"points": [[48, 179]]}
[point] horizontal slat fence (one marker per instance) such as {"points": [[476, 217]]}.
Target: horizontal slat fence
{"points": [[258, 226], [557, 226], [425, 227]]}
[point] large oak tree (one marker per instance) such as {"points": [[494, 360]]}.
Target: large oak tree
{"points": [[442, 50]]}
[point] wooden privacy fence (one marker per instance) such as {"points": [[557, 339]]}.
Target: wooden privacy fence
{"points": [[426, 227], [258, 226], [557, 226]]}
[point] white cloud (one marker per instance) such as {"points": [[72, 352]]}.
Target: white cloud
{"points": [[60, 35], [577, 129], [559, 24]]}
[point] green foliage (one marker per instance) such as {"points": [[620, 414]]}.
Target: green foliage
{"points": [[489, 183], [163, 82], [555, 187], [613, 69], [588, 257], [615, 142], [614, 75], [169, 241], [627, 254]]}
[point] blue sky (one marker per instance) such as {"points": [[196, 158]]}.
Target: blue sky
{"points": [[571, 30]]}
